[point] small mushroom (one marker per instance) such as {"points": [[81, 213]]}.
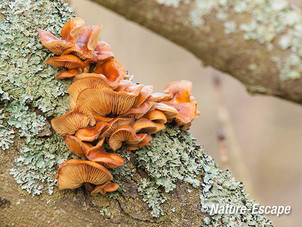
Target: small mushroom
{"points": [[124, 133], [87, 41], [68, 61], [108, 160], [77, 118], [147, 126], [67, 74], [53, 43], [74, 172], [91, 134], [124, 84], [113, 71], [104, 188], [156, 116], [76, 146], [71, 29]]}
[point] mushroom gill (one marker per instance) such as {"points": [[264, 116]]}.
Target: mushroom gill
{"points": [[77, 118], [74, 172], [76, 146]]}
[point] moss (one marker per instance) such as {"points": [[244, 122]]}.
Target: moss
{"points": [[29, 93]]}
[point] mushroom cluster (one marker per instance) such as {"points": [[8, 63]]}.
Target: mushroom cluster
{"points": [[106, 107]]}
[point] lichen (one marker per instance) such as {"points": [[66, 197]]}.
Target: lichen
{"points": [[219, 187], [268, 20], [29, 93]]}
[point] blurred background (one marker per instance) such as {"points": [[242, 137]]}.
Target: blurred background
{"points": [[266, 132]]}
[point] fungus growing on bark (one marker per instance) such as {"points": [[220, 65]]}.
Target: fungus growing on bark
{"points": [[106, 107], [74, 172]]}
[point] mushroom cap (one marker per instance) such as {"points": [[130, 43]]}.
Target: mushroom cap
{"points": [[90, 80], [106, 101], [168, 110], [53, 43], [76, 146], [147, 126], [73, 173], [124, 133], [143, 95], [67, 74], [91, 134], [187, 112], [71, 29], [140, 111], [115, 123], [181, 91], [102, 52], [156, 116], [68, 61], [87, 41], [111, 187], [158, 96], [77, 118], [112, 70], [108, 160]]}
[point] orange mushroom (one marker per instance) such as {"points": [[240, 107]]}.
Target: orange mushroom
{"points": [[74, 172], [147, 126], [104, 188], [76, 146], [71, 29], [143, 143], [156, 116], [68, 61], [91, 134], [112, 70], [87, 41], [182, 101], [124, 84], [124, 133], [108, 160], [77, 118], [67, 74], [53, 43]]}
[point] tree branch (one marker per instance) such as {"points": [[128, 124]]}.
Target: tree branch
{"points": [[259, 44], [166, 183]]}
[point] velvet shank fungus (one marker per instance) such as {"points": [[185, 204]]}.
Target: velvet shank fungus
{"points": [[106, 107]]}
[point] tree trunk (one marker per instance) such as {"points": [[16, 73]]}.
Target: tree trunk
{"points": [[172, 182], [258, 43]]}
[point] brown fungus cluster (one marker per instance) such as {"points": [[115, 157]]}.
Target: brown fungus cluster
{"points": [[106, 107]]}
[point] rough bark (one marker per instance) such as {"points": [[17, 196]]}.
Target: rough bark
{"points": [[162, 180], [256, 43]]}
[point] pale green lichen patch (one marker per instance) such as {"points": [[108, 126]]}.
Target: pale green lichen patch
{"points": [[268, 20], [29, 92]]}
